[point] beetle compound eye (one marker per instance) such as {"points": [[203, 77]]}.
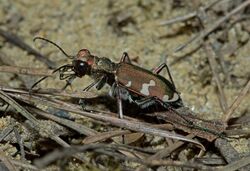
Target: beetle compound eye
{"points": [[81, 68]]}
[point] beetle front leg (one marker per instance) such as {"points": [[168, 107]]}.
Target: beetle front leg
{"points": [[69, 81], [99, 83]]}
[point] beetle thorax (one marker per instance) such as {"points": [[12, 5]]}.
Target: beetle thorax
{"points": [[103, 65]]}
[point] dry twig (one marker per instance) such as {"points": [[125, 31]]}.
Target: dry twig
{"points": [[236, 103], [213, 64], [132, 125], [14, 39], [210, 29]]}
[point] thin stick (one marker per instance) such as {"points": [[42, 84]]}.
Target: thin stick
{"points": [[110, 150], [104, 135], [26, 70], [206, 32], [14, 39], [51, 92], [236, 103], [42, 130], [223, 19], [19, 108], [236, 165], [4, 133], [70, 124], [132, 125], [6, 160], [187, 16], [23, 164], [164, 152], [213, 64]]}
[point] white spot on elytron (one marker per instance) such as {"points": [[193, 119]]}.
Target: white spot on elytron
{"points": [[129, 84], [166, 98], [145, 87]]}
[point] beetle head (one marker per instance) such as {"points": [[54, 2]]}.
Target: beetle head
{"points": [[82, 63], [85, 55]]}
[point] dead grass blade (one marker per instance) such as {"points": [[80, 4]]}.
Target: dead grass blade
{"points": [[104, 135], [132, 125], [244, 161], [51, 92], [236, 103], [26, 70], [70, 124], [110, 150], [207, 31], [7, 162], [16, 40]]}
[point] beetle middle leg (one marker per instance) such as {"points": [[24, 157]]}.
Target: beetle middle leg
{"points": [[99, 83], [119, 93]]}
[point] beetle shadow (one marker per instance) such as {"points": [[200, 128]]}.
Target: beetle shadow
{"points": [[129, 109]]}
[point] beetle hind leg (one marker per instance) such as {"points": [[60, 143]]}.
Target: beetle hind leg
{"points": [[158, 69], [99, 83], [150, 101]]}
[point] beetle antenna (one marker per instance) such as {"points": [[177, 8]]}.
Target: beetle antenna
{"points": [[40, 80], [43, 78], [53, 43]]}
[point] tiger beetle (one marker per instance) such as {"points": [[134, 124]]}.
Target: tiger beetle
{"points": [[129, 82]]}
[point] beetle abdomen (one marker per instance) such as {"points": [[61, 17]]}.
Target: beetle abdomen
{"points": [[146, 83]]}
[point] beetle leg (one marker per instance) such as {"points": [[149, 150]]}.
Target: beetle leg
{"points": [[124, 93], [69, 81], [117, 92], [158, 69], [99, 83], [119, 104], [146, 102], [125, 58]]}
